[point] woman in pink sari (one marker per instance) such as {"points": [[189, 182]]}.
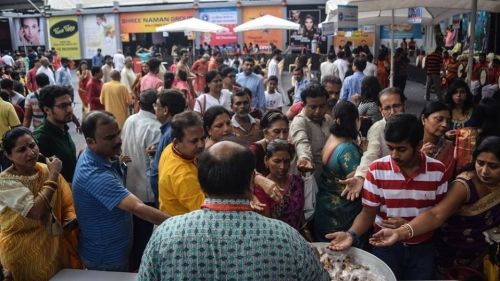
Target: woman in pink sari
{"points": [[291, 208]]}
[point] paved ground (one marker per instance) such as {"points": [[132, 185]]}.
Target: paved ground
{"points": [[414, 92]]}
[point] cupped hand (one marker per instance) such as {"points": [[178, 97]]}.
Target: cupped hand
{"points": [[385, 237], [340, 240]]}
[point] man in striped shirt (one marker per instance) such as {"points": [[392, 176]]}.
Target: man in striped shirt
{"points": [[397, 188], [433, 67]]}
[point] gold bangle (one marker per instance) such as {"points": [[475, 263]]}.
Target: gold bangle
{"points": [[409, 229], [51, 184]]}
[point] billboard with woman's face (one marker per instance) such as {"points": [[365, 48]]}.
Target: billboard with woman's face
{"points": [[309, 31], [30, 31]]}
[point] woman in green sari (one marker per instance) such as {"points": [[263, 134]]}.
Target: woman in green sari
{"points": [[341, 156]]}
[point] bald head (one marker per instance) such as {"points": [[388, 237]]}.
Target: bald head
{"points": [[115, 75], [44, 61], [226, 170]]}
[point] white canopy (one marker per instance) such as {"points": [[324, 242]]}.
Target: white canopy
{"points": [[192, 25], [267, 22], [380, 5], [380, 11]]}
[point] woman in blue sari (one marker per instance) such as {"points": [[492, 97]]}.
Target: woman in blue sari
{"points": [[341, 156]]}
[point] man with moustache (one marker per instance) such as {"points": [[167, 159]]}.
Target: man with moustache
{"points": [[245, 127], [52, 135], [103, 204], [390, 101], [178, 186]]}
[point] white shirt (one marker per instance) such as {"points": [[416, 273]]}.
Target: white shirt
{"points": [[127, 78], [326, 68], [48, 72], [17, 98], [370, 70], [139, 132], [342, 66], [274, 100], [119, 61], [273, 69], [205, 101], [8, 60]]}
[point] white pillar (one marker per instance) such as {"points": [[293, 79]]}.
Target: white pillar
{"points": [[471, 39], [391, 77]]}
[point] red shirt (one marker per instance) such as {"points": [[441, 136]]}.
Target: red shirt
{"points": [[94, 87], [30, 80], [477, 70], [395, 194], [493, 74]]}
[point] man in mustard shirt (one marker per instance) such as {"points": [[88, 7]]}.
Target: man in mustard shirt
{"points": [[179, 189]]}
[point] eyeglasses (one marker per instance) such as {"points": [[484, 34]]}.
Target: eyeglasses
{"points": [[65, 105], [394, 107]]}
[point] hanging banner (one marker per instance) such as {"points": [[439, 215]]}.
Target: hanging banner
{"points": [[64, 36], [227, 17], [401, 31], [265, 37], [347, 17], [147, 22], [415, 15], [100, 33], [30, 32]]}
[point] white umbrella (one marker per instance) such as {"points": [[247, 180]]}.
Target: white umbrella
{"points": [[267, 22], [192, 25], [432, 6]]}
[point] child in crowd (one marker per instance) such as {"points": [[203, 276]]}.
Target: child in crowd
{"points": [[274, 100]]}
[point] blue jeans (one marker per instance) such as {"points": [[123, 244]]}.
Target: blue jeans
{"points": [[409, 261]]}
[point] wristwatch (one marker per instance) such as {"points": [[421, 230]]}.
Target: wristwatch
{"points": [[354, 236]]}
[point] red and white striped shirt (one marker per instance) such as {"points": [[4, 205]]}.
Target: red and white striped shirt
{"points": [[398, 195]]}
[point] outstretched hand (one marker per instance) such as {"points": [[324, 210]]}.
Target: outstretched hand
{"points": [[340, 240], [353, 187]]}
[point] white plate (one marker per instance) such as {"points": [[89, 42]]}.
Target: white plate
{"points": [[362, 257]]}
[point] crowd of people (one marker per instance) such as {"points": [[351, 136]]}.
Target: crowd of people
{"points": [[236, 181]]}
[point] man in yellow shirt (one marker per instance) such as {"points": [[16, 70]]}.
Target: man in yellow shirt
{"points": [[116, 98], [178, 186], [8, 117]]}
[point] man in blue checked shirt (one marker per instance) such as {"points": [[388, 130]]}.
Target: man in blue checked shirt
{"points": [[63, 76], [300, 84]]}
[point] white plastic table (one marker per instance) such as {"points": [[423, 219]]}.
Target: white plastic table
{"points": [[93, 275]]}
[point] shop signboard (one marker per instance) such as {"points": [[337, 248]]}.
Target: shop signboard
{"points": [[64, 36], [227, 17], [147, 22], [262, 37], [99, 33]]}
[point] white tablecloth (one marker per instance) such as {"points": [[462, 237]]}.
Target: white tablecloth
{"points": [[92, 275]]}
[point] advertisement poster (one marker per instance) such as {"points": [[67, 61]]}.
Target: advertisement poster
{"points": [[357, 39], [29, 31], [147, 22], [265, 37], [401, 31], [64, 36], [227, 17], [309, 31], [100, 33], [415, 15], [348, 17]]}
